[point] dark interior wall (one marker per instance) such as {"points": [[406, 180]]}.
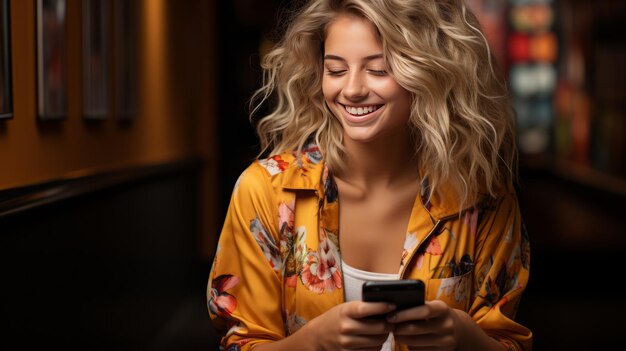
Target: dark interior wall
{"points": [[105, 270], [243, 26], [576, 232]]}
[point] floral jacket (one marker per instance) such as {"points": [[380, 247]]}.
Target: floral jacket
{"points": [[278, 261]]}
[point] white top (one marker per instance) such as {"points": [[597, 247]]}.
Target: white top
{"points": [[353, 280]]}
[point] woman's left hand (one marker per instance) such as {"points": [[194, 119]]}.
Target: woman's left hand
{"points": [[431, 326]]}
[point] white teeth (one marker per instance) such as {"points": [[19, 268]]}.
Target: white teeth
{"points": [[360, 110]]}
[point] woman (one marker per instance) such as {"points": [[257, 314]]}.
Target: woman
{"points": [[392, 157]]}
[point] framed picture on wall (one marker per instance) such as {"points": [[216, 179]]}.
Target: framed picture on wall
{"points": [[6, 96], [96, 23], [126, 19], [51, 59]]}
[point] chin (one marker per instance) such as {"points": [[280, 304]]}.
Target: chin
{"points": [[360, 136]]}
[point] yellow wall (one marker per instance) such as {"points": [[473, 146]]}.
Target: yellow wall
{"points": [[176, 106], [34, 151]]}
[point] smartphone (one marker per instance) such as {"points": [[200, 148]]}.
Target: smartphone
{"points": [[403, 293]]}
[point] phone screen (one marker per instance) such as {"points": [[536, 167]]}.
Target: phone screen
{"points": [[403, 293]]}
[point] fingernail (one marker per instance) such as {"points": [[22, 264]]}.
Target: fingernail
{"points": [[391, 307], [391, 317]]}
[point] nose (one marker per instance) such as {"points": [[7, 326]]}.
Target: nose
{"points": [[356, 87]]}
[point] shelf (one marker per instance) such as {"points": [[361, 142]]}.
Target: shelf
{"points": [[590, 177]]}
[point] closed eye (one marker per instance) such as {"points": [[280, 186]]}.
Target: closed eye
{"points": [[335, 72], [377, 72]]}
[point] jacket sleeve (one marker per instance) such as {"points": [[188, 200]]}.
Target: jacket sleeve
{"points": [[501, 273], [244, 290]]}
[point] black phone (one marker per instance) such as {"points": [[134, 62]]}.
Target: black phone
{"points": [[403, 293]]}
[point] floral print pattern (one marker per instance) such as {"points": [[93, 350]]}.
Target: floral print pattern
{"points": [[330, 188], [279, 265], [456, 289], [321, 271], [309, 155], [455, 280], [274, 164], [410, 242], [267, 244], [293, 322], [220, 302], [434, 248], [471, 220], [293, 255]]}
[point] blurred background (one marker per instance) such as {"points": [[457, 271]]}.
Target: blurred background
{"points": [[124, 125]]}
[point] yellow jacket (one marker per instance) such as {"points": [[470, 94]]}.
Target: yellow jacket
{"points": [[278, 263]]}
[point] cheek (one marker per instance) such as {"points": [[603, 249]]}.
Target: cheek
{"points": [[390, 90], [325, 92], [330, 90], [400, 100], [406, 100], [399, 95]]}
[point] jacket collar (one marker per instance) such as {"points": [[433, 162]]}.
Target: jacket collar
{"points": [[443, 203], [308, 171], [305, 170]]}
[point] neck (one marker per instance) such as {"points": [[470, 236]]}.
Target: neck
{"points": [[379, 163]]}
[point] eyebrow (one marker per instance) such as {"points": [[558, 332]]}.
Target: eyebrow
{"points": [[366, 58]]}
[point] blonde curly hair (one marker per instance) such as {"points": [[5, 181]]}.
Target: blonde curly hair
{"points": [[461, 117]]}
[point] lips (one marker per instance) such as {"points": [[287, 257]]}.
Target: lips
{"points": [[361, 110], [360, 114]]}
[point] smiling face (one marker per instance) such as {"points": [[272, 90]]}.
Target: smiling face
{"points": [[368, 102]]}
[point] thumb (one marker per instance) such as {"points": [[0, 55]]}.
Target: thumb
{"points": [[360, 309], [436, 308]]}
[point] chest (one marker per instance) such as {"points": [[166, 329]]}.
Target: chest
{"points": [[313, 279], [372, 232]]}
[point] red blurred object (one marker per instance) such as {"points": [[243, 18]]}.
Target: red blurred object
{"points": [[519, 47]]}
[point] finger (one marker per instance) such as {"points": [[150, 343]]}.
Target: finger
{"points": [[415, 328], [430, 310], [360, 309], [359, 342], [427, 341], [437, 308], [409, 314], [365, 327], [375, 327]]}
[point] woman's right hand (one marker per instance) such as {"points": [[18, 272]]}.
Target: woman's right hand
{"points": [[346, 327]]}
